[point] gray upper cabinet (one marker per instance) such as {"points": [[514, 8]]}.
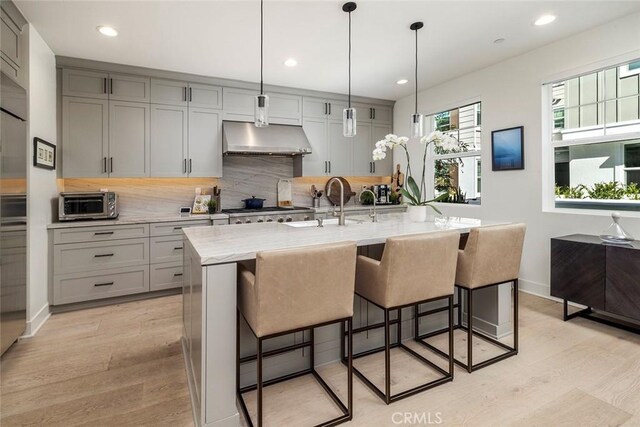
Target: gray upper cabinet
{"points": [[336, 109], [169, 92], [129, 88], [382, 115], [316, 163], [205, 96], [340, 152], [10, 33], [364, 113], [129, 139], [169, 133], [381, 167], [205, 139], [239, 105], [315, 107], [361, 146], [87, 84], [85, 134]]}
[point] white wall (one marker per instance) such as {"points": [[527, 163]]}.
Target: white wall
{"points": [[41, 183], [511, 95]]}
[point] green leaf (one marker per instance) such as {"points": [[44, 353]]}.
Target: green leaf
{"points": [[412, 200], [433, 207], [414, 188]]}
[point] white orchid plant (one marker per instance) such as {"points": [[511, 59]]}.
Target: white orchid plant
{"points": [[414, 195]]}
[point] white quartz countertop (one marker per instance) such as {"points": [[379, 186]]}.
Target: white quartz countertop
{"points": [[380, 208], [124, 220], [231, 243]]}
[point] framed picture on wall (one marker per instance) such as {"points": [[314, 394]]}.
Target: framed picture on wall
{"points": [[507, 149], [44, 154]]}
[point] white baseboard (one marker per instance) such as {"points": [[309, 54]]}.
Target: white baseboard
{"points": [[535, 288], [36, 322]]}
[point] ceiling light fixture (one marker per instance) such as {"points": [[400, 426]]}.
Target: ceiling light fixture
{"points": [[261, 115], [291, 62], [108, 31], [349, 114], [417, 120], [545, 19], [402, 81]]}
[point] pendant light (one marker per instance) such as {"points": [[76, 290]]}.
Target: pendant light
{"points": [[349, 114], [417, 120], [261, 115]]}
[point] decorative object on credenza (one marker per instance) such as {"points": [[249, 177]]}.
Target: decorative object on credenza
{"points": [[44, 154], [507, 149], [615, 233]]}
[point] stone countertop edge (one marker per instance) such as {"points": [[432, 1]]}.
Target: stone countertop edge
{"points": [[347, 208], [220, 245], [134, 220]]}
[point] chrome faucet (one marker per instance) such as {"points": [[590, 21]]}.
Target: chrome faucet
{"points": [[341, 214], [372, 214]]}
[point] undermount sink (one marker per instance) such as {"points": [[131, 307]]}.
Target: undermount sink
{"points": [[314, 223]]}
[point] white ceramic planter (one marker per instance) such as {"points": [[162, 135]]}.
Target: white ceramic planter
{"points": [[417, 213]]}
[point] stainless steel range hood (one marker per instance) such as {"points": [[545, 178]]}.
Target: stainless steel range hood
{"points": [[242, 138]]}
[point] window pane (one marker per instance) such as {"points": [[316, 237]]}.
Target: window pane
{"points": [[470, 137], [628, 109], [442, 122], [597, 171], [579, 122], [460, 178]]}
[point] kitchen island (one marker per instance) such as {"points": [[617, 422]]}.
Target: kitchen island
{"points": [[211, 255]]}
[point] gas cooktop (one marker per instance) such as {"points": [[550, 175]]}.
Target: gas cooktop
{"points": [[266, 210], [269, 214]]}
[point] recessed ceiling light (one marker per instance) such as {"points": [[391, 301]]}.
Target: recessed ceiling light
{"points": [[498, 41], [290, 62], [402, 81], [545, 19], [105, 30]]}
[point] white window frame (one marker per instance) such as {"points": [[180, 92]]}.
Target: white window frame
{"points": [[432, 157], [548, 128]]}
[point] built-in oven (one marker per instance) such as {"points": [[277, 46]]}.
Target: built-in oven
{"points": [[87, 205]]}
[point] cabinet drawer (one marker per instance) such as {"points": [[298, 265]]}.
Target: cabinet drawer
{"points": [[166, 249], [166, 276], [175, 228], [100, 284], [95, 234], [76, 257]]}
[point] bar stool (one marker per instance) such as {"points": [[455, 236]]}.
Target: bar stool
{"points": [[491, 257], [413, 269], [296, 290]]}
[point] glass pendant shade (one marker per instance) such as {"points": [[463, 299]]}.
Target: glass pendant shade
{"points": [[417, 126], [261, 118], [349, 122]]}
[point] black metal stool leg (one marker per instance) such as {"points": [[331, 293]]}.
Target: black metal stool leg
{"points": [[515, 315], [451, 336], [459, 306], [416, 320], [350, 368], [259, 384], [312, 349], [387, 358], [342, 355], [469, 330]]}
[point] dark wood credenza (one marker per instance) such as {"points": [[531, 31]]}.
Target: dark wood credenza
{"points": [[601, 276]]}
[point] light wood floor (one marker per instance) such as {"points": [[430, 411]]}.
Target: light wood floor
{"points": [[122, 365]]}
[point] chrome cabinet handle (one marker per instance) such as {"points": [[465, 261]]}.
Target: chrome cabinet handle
{"points": [[102, 233], [103, 284], [102, 255]]}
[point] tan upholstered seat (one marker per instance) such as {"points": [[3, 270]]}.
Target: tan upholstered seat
{"points": [[491, 255], [413, 268], [296, 288]]}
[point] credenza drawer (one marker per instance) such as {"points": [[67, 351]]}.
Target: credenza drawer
{"points": [[99, 234], [175, 228], [77, 287], [166, 249], [77, 257], [166, 276]]}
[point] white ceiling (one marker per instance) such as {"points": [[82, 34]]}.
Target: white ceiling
{"points": [[221, 38]]}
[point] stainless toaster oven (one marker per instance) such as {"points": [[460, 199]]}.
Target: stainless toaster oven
{"points": [[87, 205]]}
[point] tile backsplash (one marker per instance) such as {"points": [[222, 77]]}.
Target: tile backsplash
{"points": [[243, 177]]}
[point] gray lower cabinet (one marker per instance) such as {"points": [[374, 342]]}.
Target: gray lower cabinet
{"points": [[85, 135], [98, 262], [340, 150], [361, 149], [169, 140], [129, 139]]}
